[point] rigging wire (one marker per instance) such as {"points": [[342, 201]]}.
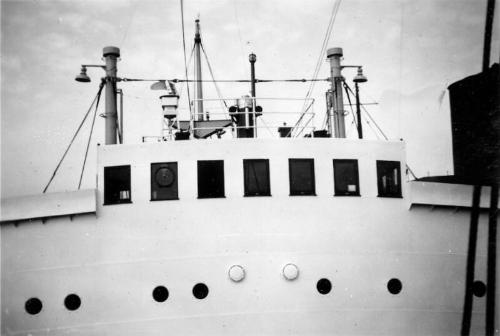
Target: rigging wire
{"points": [[350, 105], [187, 84], [239, 30], [380, 130], [71, 142], [176, 80], [184, 49], [333, 15], [369, 115], [91, 131], [213, 77], [372, 129], [134, 7]]}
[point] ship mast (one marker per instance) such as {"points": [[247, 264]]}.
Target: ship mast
{"points": [[199, 113], [336, 123]]}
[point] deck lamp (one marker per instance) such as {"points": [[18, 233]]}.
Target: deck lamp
{"points": [[82, 77], [360, 78]]}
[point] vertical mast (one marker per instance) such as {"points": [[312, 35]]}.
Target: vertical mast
{"points": [[197, 73], [252, 58], [336, 112], [111, 55]]}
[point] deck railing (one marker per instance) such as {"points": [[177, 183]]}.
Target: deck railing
{"points": [[295, 114]]}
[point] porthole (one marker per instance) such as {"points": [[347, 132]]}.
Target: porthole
{"points": [[72, 302], [160, 294], [324, 286], [165, 177], [200, 291], [33, 306], [394, 286], [479, 288]]}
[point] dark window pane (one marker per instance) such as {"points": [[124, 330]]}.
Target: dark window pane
{"points": [[72, 302], [200, 291], [256, 177], [117, 185], [346, 177], [302, 177], [164, 181], [389, 178], [210, 179], [33, 306]]}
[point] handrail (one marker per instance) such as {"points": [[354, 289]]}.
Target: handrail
{"points": [[274, 115]]}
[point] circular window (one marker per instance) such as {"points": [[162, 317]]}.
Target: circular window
{"points": [[236, 273], [33, 306], [165, 177], [72, 302], [324, 286], [394, 286], [160, 294], [479, 288], [290, 272], [200, 291]]}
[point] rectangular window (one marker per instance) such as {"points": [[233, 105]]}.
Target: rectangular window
{"points": [[256, 175], [164, 181], [210, 179], [346, 177], [117, 185], [389, 178], [301, 177]]}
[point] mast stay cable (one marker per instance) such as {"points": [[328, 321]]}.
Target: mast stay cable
{"points": [[380, 130], [213, 78], [350, 103], [101, 86], [176, 80], [184, 49], [72, 140], [333, 15]]}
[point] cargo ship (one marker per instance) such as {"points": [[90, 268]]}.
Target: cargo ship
{"points": [[226, 225]]}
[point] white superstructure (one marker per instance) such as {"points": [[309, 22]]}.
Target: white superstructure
{"points": [[114, 257]]}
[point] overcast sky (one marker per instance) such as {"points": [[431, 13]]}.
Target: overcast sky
{"points": [[411, 51]]}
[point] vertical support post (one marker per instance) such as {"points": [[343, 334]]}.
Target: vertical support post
{"points": [[197, 73], [471, 261], [492, 262], [111, 55], [358, 112], [490, 11], [253, 58], [120, 130], [336, 115]]}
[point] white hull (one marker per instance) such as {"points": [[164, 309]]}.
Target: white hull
{"points": [[113, 259]]}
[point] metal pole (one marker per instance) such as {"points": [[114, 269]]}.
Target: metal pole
{"points": [[120, 131], [492, 261], [111, 55], [490, 10], [471, 261], [253, 58], [358, 112], [197, 73], [337, 117]]}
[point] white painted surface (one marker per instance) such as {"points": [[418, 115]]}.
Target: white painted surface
{"points": [[446, 194], [48, 205], [115, 260]]}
